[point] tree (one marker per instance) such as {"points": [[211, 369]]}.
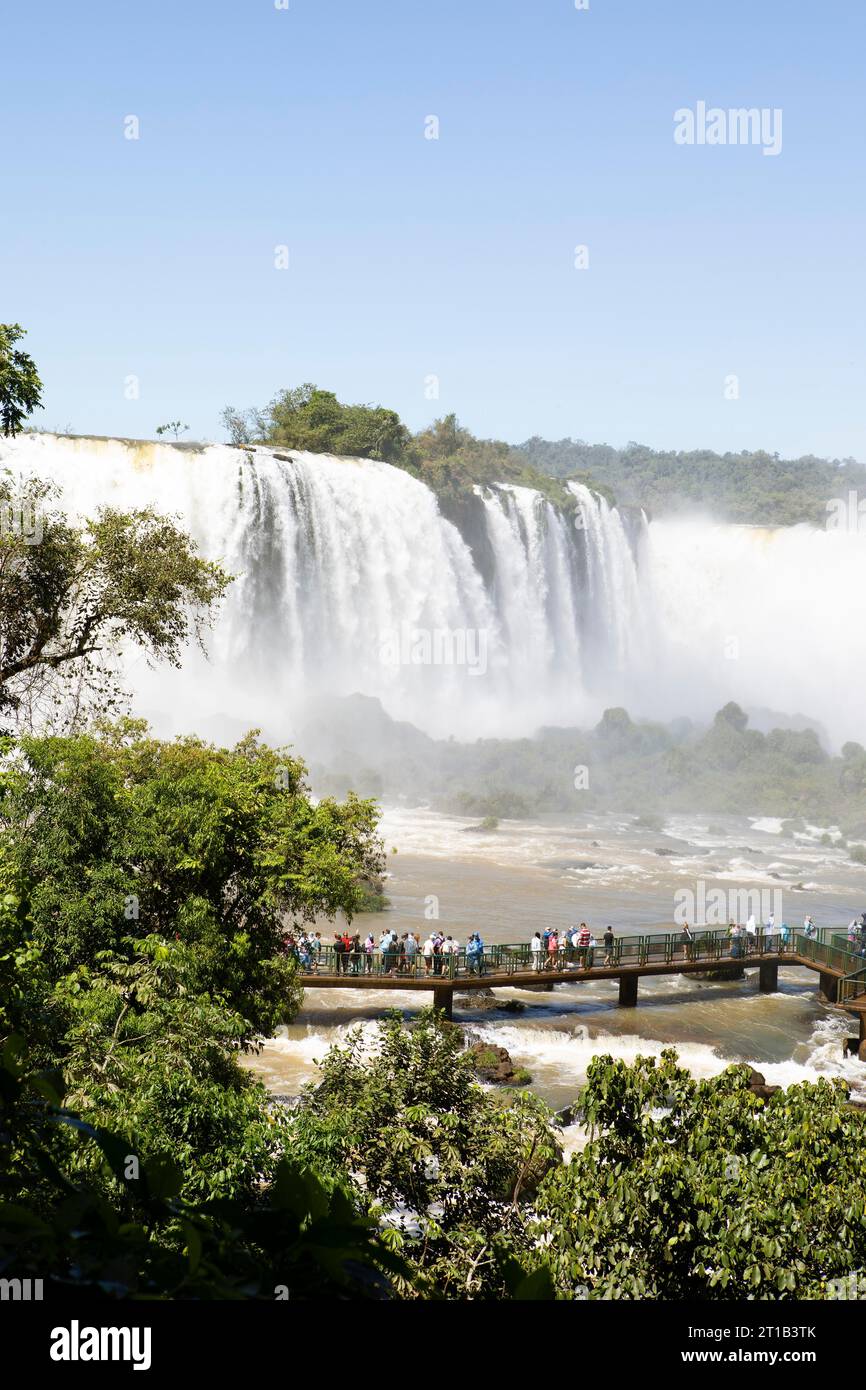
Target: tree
{"points": [[20, 386], [309, 418], [237, 424], [76, 1214], [424, 1142], [174, 427], [110, 841], [68, 602], [703, 1190], [144, 890]]}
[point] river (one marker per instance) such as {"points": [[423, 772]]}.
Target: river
{"points": [[603, 868]]}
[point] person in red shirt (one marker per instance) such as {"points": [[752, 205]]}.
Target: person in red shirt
{"points": [[584, 937]]}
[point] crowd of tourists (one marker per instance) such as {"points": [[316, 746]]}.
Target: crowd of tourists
{"points": [[351, 954], [753, 936], [553, 950]]}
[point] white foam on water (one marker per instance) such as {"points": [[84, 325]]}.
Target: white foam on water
{"points": [[569, 1053]]}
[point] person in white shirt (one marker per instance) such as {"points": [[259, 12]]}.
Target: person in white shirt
{"points": [[536, 946]]}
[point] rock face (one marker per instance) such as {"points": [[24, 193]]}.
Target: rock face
{"points": [[758, 1085], [493, 1064], [486, 999], [724, 972]]}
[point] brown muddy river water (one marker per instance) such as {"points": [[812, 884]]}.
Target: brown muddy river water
{"points": [[603, 868]]}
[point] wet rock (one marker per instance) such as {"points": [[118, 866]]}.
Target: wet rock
{"points": [[723, 972], [494, 1064], [486, 1000], [758, 1085]]}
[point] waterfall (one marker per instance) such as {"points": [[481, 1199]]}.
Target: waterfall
{"points": [[349, 578]]}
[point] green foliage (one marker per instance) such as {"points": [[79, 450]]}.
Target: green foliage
{"points": [[20, 386], [701, 1190], [452, 461], [112, 840], [78, 1213], [421, 1138], [68, 602], [727, 768], [174, 427], [144, 894], [309, 418], [754, 487]]}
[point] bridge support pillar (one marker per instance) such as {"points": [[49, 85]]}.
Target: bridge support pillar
{"points": [[443, 998], [628, 991], [768, 976], [828, 987]]}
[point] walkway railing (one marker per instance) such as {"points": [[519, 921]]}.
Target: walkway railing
{"points": [[667, 948], [852, 985]]}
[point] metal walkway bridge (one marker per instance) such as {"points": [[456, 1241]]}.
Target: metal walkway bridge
{"points": [[841, 970]]}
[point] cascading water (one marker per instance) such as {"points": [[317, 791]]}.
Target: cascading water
{"points": [[351, 579]]}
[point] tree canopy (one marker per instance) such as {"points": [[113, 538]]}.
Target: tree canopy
{"points": [[20, 386], [71, 595], [752, 486], [702, 1190], [145, 890]]}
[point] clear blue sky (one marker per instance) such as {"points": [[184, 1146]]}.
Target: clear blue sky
{"points": [[411, 257]]}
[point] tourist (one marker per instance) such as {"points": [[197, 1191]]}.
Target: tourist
{"points": [[688, 940], [809, 928], [536, 946], [369, 948], [470, 954], [584, 937], [785, 937], [450, 950], [411, 953], [339, 948], [437, 953], [609, 939], [427, 951], [573, 941], [475, 955], [552, 948], [355, 958]]}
